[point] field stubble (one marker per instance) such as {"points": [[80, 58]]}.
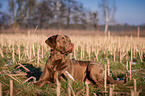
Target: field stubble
{"points": [[118, 53]]}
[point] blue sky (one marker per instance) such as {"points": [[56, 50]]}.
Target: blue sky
{"points": [[128, 11]]}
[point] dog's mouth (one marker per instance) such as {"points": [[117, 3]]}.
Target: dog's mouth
{"points": [[70, 49]]}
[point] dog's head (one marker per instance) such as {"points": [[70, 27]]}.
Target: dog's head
{"points": [[60, 43]]}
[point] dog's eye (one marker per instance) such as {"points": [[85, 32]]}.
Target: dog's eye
{"points": [[62, 37]]}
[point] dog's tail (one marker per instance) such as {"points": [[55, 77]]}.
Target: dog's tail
{"points": [[110, 80]]}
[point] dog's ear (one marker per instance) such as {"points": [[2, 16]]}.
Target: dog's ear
{"points": [[67, 38], [51, 41]]}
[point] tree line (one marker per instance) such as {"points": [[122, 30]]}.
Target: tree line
{"points": [[59, 14], [48, 14]]}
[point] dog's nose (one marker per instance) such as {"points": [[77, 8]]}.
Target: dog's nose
{"points": [[71, 44]]}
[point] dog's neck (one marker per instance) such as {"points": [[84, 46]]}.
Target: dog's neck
{"points": [[58, 59], [57, 52], [56, 55]]}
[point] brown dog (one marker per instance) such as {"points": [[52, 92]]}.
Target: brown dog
{"points": [[59, 62]]}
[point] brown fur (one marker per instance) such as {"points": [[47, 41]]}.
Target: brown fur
{"points": [[58, 61]]}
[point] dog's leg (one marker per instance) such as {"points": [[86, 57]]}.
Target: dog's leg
{"points": [[112, 81], [95, 75], [44, 77]]}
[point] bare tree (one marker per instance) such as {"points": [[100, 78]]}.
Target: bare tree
{"points": [[49, 14], [20, 10], [12, 10], [108, 8], [71, 5], [93, 19]]}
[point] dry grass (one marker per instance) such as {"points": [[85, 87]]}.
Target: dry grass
{"points": [[115, 50], [90, 43]]}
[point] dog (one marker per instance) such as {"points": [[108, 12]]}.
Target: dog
{"points": [[60, 64]]}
